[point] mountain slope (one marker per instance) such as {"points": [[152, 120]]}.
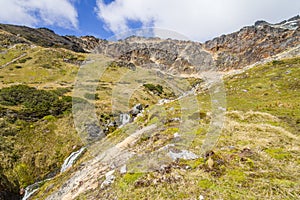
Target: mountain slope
{"points": [[260, 135], [254, 43], [257, 155], [244, 47], [42, 37]]}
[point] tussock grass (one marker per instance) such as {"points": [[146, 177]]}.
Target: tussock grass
{"points": [[257, 155]]}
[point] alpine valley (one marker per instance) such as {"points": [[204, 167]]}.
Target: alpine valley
{"points": [[171, 119]]}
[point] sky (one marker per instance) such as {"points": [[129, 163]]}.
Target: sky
{"points": [[198, 20]]}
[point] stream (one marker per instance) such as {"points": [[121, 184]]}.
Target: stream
{"points": [[69, 161]]}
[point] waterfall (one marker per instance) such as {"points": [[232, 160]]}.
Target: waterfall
{"points": [[71, 159], [124, 119], [31, 189]]}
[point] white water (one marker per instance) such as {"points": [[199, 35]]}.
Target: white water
{"points": [[124, 119], [31, 189], [71, 159], [29, 192]]}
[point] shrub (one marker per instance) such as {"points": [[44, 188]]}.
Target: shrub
{"points": [[36, 103], [154, 88], [62, 91], [91, 96]]}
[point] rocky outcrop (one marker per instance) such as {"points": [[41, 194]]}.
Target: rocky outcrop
{"points": [[233, 51], [87, 43], [167, 55], [254, 43], [236, 50]]}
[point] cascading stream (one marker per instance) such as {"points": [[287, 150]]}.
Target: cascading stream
{"points": [[69, 161]]}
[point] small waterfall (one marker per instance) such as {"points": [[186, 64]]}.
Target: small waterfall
{"points": [[124, 119], [71, 159], [31, 189]]}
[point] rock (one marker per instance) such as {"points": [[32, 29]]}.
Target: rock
{"points": [[124, 119], [80, 183], [112, 124], [42, 36], [261, 23], [246, 152], [165, 148], [94, 131], [176, 135], [183, 154], [109, 179], [136, 109], [22, 191], [165, 169], [176, 119], [128, 65], [221, 109], [244, 47], [164, 101], [253, 43], [123, 169]]}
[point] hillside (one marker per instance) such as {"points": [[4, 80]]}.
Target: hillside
{"points": [[160, 119]]}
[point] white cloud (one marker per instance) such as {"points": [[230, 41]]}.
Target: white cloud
{"points": [[196, 19], [39, 12]]}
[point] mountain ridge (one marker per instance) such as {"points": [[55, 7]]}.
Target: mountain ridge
{"points": [[232, 51]]}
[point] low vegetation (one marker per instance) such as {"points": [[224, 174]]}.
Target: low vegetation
{"points": [[34, 104], [257, 155], [35, 134]]}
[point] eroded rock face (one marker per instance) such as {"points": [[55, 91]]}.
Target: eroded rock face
{"points": [[236, 50], [254, 43], [167, 55], [244, 47]]}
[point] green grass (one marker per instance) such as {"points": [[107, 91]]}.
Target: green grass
{"points": [[40, 66], [272, 88], [256, 157]]}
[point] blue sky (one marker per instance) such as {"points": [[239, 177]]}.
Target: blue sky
{"points": [[198, 20], [88, 22]]}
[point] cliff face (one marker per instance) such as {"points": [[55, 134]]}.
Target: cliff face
{"points": [[246, 46], [254, 43], [167, 55]]}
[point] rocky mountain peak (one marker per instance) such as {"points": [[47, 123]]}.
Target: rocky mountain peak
{"points": [[254, 43], [260, 23], [244, 47]]}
